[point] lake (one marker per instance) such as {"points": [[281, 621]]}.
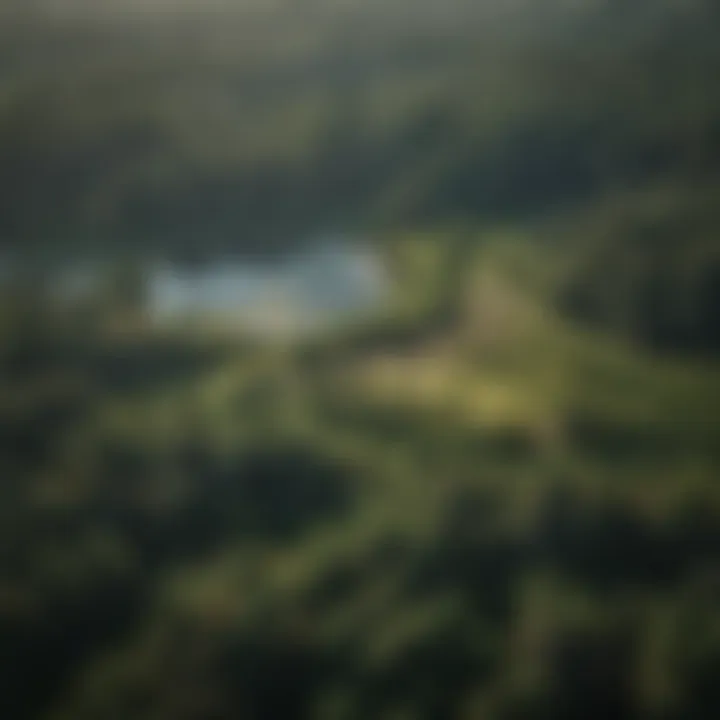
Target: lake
{"points": [[324, 284]]}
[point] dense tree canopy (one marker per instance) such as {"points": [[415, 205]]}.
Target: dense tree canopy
{"points": [[493, 496]]}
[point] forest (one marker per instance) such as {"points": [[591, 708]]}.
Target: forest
{"points": [[490, 494]]}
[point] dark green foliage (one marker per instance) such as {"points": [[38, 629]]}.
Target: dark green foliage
{"points": [[497, 499], [650, 270]]}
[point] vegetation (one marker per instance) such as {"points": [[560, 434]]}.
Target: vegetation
{"points": [[494, 498]]}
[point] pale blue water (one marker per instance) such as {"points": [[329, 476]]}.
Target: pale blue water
{"points": [[326, 283]]}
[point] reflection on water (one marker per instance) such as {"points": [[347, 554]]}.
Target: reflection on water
{"points": [[325, 284], [328, 283]]}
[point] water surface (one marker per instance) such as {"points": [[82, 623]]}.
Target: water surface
{"points": [[327, 283]]}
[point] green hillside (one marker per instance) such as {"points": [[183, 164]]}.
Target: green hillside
{"points": [[494, 496]]}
